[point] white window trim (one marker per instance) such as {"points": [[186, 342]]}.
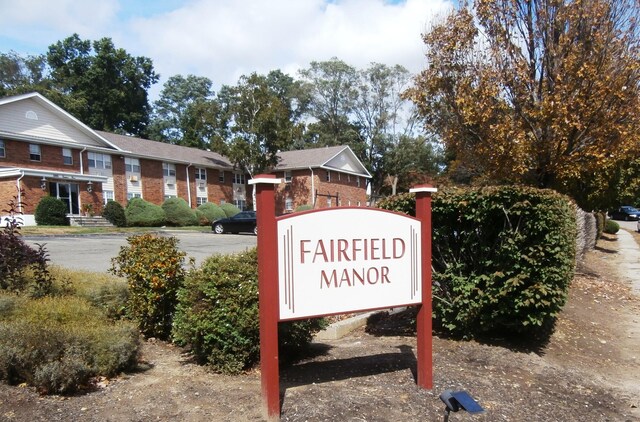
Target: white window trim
{"points": [[3, 151], [32, 148], [288, 176], [65, 156]]}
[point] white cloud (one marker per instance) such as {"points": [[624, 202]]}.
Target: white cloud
{"points": [[224, 39]]}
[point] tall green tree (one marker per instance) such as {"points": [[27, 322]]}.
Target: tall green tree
{"points": [[332, 86], [543, 92], [260, 120], [104, 86], [185, 112]]}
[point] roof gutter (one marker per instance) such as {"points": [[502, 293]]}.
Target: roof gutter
{"points": [[19, 191], [188, 185]]}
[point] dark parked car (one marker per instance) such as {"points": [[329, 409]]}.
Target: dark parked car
{"points": [[625, 213], [244, 221]]}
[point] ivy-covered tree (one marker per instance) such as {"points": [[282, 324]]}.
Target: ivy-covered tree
{"points": [[543, 92]]}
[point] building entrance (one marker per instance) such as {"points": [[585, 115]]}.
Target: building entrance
{"points": [[68, 193]]}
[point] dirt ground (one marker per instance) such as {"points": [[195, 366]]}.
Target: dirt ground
{"points": [[588, 371]]}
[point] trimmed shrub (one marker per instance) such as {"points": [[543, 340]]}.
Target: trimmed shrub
{"points": [[611, 227], [114, 213], [305, 207], [51, 212], [209, 212], [229, 209], [140, 213], [503, 257], [153, 267], [217, 315], [80, 344], [178, 213]]}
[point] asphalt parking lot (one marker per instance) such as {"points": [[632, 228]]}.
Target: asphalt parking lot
{"points": [[94, 252]]}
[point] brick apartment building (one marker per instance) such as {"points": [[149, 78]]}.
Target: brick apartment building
{"points": [[46, 151]]}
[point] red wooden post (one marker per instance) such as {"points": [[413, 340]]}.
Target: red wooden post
{"points": [[424, 318], [268, 293]]}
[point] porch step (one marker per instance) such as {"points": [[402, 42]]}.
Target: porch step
{"points": [[95, 221]]}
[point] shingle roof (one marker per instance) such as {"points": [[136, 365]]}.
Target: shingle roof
{"points": [[168, 152], [304, 158]]}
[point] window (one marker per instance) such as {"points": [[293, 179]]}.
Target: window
{"points": [[3, 152], [201, 200], [240, 203], [169, 197], [288, 204], [107, 196], [328, 176], [221, 176], [169, 169], [238, 178], [348, 178], [99, 161], [133, 195], [67, 158], [201, 174], [339, 177], [34, 152], [132, 165], [287, 177], [358, 181]]}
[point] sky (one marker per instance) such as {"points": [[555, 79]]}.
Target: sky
{"points": [[225, 39]]}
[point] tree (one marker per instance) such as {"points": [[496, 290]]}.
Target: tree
{"points": [[181, 114], [260, 120], [19, 75], [411, 161], [104, 86], [543, 92], [332, 86]]}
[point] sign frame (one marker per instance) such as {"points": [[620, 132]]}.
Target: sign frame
{"points": [[268, 285]]}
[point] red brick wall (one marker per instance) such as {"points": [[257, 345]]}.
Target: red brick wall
{"points": [[17, 155], [300, 189], [152, 181], [217, 191], [119, 179]]}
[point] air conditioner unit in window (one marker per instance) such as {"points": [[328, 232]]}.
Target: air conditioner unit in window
{"points": [[171, 181], [202, 183], [133, 178]]}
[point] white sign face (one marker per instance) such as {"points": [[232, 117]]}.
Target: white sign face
{"points": [[347, 259]]}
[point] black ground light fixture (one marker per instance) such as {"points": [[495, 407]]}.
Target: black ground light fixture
{"points": [[459, 400]]}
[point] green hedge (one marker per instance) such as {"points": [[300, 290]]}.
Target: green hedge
{"points": [[217, 315], [229, 209], [51, 212], [140, 213], [178, 213], [503, 257], [611, 227], [208, 212], [114, 213]]}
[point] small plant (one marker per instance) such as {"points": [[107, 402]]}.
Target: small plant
{"points": [[305, 207], [153, 267], [114, 213], [21, 266], [611, 227], [51, 212], [87, 209]]}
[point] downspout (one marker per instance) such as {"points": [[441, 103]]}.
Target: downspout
{"points": [[20, 192], [81, 161], [313, 188], [189, 185]]}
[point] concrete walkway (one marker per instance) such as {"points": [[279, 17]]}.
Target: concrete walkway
{"points": [[630, 260]]}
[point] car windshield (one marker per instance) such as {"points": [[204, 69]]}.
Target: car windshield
{"points": [[630, 209]]}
